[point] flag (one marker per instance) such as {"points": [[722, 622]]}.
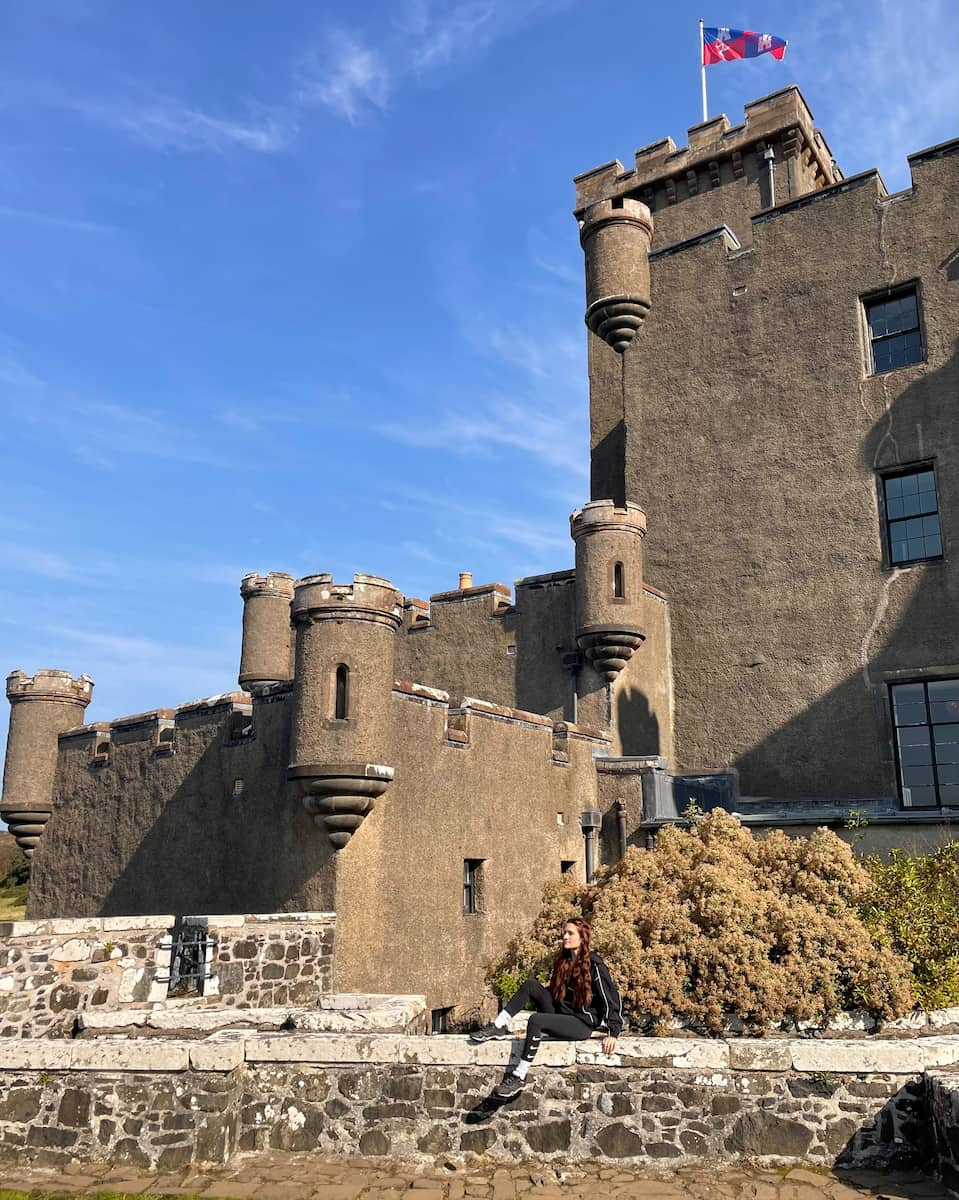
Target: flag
{"points": [[723, 45]]}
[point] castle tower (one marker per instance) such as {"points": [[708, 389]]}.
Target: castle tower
{"points": [[41, 707], [267, 653], [343, 684], [615, 236], [609, 583]]}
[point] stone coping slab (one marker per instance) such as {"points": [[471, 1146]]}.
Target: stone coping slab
{"points": [[228, 1049], [59, 926], [347, 1012]]}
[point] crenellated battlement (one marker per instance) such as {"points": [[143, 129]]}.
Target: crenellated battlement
{"points": [[716, 153], [368, 597], [606, 515], [459, 714], [49, 684], [276, 584], [159, 726]]}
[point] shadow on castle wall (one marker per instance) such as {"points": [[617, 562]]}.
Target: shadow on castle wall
{"points": [[208, 851], [842, 745], [638, 724]]}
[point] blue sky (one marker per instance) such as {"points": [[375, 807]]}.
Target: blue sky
{"points": [[295, 286]]}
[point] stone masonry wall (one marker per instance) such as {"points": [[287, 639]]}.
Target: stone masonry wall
{"points": [[942, 1089], [166, 1104], [52, 971]]}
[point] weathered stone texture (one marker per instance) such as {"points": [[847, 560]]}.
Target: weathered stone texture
{"points": [[162, 1120], [55, 972]]}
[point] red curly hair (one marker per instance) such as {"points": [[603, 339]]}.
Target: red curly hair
{"points": [[573, 968]]}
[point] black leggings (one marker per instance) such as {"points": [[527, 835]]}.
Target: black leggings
{"points": [[546, 1019]]}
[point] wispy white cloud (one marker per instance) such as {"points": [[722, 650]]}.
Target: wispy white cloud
{"points": [[101, 433], [348, 78], [31, 560], [480, 430], [53, 221], [166, 123], [354, 74], [453, 30], [199, 670], [868, 70]]}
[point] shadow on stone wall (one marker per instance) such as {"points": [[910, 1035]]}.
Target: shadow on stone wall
{"points": [[841, 746], [638, 724], [206, 851]]}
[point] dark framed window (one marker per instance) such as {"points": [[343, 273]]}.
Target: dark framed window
{"points": [[472, 875], [341, 699], [911, 508], [566, 865], [619, 581], [440, 1020], [895, 335], [926, 719]]}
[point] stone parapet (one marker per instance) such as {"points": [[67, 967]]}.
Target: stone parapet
{"points": [[460, 713], [801, 1056], [47, 684], [782, 115], [368, 597], [202, 1102]]}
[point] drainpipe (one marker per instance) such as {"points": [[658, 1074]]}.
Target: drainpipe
{"points": [[590, 822], [769, 156], [621, 827]]}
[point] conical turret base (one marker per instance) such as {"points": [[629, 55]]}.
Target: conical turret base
{"points": [[609, 649], [339, 796]]}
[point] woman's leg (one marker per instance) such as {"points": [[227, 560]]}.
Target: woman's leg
{"points": [[558, 1025], [530, 990]]}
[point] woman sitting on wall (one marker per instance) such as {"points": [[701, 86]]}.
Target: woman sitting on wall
{"points": [[581, 998]]}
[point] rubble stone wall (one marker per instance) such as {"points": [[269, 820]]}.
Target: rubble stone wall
{"points": [[943, 1103], [52, 971], [165, 1104]]}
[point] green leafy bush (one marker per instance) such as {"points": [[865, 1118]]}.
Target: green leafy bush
{"points": [[914, 904], [713, 923]]}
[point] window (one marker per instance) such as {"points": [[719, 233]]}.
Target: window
{"points": [[894, 332], [341, 703], [912, 516], [566, 865], [619, 582], [440, 1020], [472, 874], [926, 719]]}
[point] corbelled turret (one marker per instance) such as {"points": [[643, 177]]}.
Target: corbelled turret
{"points": [[343, 685], [609, 583], [615, 236], [41, 707]]}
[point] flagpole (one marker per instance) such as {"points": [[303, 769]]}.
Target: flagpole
{"points": [[702, 66]]}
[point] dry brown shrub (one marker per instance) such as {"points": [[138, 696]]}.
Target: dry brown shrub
{"points": [[713, 924]]}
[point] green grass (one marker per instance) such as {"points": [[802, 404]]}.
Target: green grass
{"points": [[13, 906]]}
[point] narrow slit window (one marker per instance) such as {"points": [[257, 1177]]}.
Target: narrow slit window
{"points": [[341, 703], [472, 876], [619, 581]]}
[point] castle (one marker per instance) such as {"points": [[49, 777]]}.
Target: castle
{"points": [[763, 612]]}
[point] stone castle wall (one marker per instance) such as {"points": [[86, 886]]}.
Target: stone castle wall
{"points": [[211, 822], [53, 972], [165, 1105], [754, 450]]}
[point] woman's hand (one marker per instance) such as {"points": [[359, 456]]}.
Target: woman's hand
{"points": [[609, 1045]]}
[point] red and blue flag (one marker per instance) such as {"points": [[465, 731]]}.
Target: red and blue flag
{"points": [[724, 45]]}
